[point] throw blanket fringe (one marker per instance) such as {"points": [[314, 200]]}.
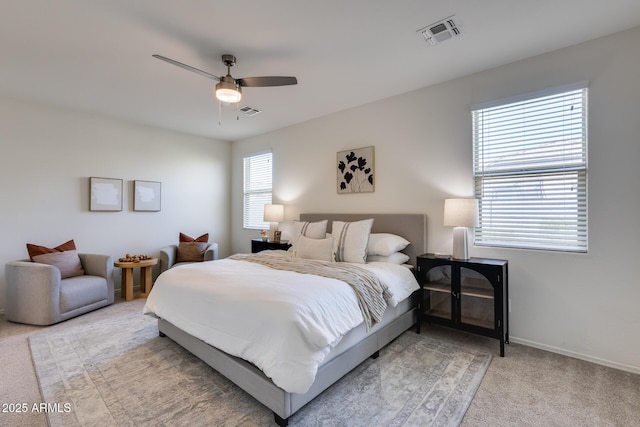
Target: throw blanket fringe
{"points": [[371, 293]]}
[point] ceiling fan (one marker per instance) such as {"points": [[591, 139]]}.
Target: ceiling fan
{"points": [[229, 89]]}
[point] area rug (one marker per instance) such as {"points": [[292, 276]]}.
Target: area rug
{"points": [[119, 372]]}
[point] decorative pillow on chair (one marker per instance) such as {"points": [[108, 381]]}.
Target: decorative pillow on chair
{"points": [[192, 250], [39, 250], [64, 256], [186, 238], [351, 239]]}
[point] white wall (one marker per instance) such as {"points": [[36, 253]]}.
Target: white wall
{"points": [[47, 156], [585, 305]]}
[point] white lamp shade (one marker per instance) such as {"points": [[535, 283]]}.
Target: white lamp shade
{"points": [[273, 213], [461, 212]]}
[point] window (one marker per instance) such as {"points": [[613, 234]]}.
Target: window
{"points": [[530, 171], [257, 189]]}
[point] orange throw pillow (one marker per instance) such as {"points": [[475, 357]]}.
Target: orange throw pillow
{"points": [[186, 238], [190, 249], [40, 250]]}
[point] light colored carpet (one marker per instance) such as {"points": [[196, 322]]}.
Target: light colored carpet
{"points": [[117, 371]]}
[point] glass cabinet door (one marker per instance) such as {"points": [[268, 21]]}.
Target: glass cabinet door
{"points": [[476, 299], [437, 292]]}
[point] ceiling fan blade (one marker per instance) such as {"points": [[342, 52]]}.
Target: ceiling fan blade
{"points": [[187, 67], [267, 81]]}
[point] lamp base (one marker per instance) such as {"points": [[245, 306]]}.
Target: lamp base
{"points": [[460, 243], [273, 227]]}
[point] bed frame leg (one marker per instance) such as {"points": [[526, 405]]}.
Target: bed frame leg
{"points": [[161, 334], [282, 422], [375, 355]]}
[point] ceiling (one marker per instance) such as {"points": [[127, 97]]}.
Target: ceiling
{"points": [[95, 55]]}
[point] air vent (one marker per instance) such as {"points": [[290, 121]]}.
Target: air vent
{"points": [[249, 111], [440, 31]]}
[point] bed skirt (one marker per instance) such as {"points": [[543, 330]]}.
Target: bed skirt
{"points": [[345, 357]]}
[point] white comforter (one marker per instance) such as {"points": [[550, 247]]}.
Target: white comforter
{"points": [[283, 322]]}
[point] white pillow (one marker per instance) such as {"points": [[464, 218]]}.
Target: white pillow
{"points": [[350, 240], [385, 244], [287, 229], [314, 230], [308, 248], [292, 230], [396, 258]]}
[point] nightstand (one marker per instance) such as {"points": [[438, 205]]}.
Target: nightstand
{"points": [[258, 245], [471, 295]]}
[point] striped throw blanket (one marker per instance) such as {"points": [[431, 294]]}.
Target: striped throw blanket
{"points": [[371, 293]]}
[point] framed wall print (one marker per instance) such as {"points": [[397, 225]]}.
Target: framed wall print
{"points": [[146, 196], [105, 194], [355, 171]]}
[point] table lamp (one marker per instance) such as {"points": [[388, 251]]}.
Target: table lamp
{"points": [[273, 214], [461, 214]]}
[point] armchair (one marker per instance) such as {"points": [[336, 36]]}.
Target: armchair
{"points": [[169, 256], [36, 295]]}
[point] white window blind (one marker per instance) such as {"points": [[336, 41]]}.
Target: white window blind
{"points": [[530, 171], [257, 189]]}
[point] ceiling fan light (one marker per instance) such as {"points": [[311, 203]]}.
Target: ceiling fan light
{"points": [[227, 91]]}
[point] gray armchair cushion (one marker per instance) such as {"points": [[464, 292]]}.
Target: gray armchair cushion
{"points": [[36, 294], [81, 291], [169, 255]]}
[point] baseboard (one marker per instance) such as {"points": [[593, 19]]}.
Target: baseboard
{"points": [[585, 357]]}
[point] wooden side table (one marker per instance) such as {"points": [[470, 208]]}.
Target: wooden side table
{"points": [[146, 279]]}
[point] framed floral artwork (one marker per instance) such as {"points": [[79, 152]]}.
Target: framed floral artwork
{"points": [[356, 171]]}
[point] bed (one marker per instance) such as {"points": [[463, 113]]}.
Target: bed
{"points": [[354, 346]]}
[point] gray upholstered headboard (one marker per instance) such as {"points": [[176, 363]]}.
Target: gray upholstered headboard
{"points": [[412, 227]]}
